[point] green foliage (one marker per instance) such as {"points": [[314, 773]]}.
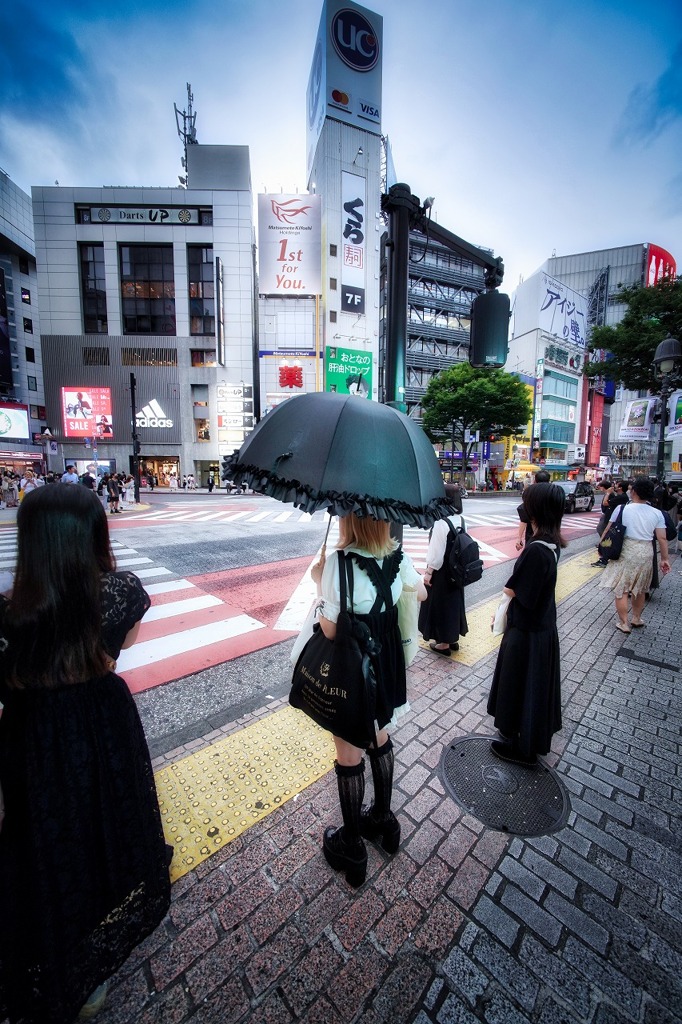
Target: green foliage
{"points": [[652, 314], [463, 398]]}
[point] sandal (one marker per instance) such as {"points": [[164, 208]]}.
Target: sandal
{"points": [[637, 625], [623, 628]]}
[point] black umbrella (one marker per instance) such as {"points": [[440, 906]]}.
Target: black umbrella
{"points": [[346, 454]]}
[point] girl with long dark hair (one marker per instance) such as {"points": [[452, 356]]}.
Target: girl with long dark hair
{"points": [[83, 863], [525, 696]]}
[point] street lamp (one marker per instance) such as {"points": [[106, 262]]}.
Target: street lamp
{"points": [[667, 361]]}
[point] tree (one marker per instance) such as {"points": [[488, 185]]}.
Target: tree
{"points": [[652, 314], [462, 399]]}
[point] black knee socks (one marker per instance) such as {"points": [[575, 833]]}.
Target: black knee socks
{"points": [[351, 782]]}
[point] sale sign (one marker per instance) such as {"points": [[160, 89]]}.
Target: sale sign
{"points": [[86, 412]]}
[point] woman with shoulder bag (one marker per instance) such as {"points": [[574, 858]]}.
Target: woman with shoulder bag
{"points": [[442, 616], [377, 562], [632, 573]]}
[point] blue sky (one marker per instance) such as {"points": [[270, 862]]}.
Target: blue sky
{"points": [[540, 127]]}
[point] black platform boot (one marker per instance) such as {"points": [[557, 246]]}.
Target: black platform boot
{"points": [[343, 847], [378, 822]]}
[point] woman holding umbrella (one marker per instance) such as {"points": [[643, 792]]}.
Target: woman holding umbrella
{"points": [[377, 563]]}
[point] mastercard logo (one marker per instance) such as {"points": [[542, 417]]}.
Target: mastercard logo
{"points": [[340, 97]]}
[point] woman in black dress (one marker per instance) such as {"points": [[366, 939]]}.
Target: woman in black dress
{"points": [[525, 697], [442, 616], [380, 569], [83, 862]]}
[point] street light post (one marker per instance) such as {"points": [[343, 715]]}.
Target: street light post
{"points": [[667, 361]]}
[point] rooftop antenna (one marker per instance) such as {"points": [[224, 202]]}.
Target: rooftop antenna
{"points": [[187, 132]]}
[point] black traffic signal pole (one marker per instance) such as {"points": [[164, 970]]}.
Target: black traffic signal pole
{"points": [[136, 441]]}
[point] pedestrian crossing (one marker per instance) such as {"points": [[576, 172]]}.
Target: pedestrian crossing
{"points": [[188, 628]]}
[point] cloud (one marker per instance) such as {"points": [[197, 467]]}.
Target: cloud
{"points": [[651, 109]]}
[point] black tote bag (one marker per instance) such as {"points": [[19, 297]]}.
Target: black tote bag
{"points": [[612, 543], [334, 682]]}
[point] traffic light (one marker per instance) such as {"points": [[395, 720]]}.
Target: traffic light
{"points": [[488, 344], [137, 447]]}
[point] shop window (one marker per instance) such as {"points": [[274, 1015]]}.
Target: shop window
{"points": [[93, 289], [26, 296], [149, 356], [30, 355], [32, 384], [204, 357], [147, 289], [95, 356], [203, 431], [200, 273], [28, 326]]}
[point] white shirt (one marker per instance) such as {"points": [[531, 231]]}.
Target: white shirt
{"points": [[640, 520], [70, 478], [439, 538], [364, 594]]}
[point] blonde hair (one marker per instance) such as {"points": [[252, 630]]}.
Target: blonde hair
{"points": [[371, 535]]}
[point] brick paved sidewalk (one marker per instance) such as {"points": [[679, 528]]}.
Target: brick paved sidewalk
{"points": [[464, 924]]}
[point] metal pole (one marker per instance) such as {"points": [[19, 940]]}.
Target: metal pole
{"points": [[665, 395], [401, 206], [136, 441]]}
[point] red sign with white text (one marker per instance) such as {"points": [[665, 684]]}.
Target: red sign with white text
{"points": [[87, 413], [660, 266]]}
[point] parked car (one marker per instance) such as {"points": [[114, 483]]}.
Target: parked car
{"points": [[579, 495]]}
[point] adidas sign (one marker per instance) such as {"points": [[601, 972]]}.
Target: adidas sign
{"points": [[152, 415]]}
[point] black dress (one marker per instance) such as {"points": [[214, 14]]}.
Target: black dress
{"points": [[525, 697], [442, 616], [83, 862]]}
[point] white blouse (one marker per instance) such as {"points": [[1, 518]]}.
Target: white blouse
{"points": [[364, 593], [439, 539], [639, 520]]}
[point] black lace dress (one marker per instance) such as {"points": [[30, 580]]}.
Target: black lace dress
{"points": [[83, 862]]}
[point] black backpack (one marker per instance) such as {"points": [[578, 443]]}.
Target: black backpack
{"points": [[464, 560]]}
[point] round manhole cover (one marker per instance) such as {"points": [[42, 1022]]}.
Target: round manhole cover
{"points": [[507, 797]]}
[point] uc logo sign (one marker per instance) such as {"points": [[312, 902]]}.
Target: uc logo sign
{"points": [[354, 40]]}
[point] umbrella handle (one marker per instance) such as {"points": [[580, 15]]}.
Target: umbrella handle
{"points": [[324, 544]]}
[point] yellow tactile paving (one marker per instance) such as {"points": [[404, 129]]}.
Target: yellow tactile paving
{"points": [[479, 641], [209, 798]]}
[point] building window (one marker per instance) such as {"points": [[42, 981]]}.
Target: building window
{"points": [[32, 384], [203, 430], [26, 296], [204, 357], [28, 325], [93, 289], [332, 249], [332, 284], [30, 355], [38, 412], [23, 265], [95, 356], [147, 289], [332, 316], [200, 272], [149, 357]]}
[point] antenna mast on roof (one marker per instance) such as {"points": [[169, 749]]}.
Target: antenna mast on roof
{"points": [[188, 131]]}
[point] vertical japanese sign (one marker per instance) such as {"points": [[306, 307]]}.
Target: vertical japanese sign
{"points": [[87, 412], [563, 312], [349, 372], [354, 237], [290, 246]]}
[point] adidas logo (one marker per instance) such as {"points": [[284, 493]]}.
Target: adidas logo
{"points": [[152, 415]]}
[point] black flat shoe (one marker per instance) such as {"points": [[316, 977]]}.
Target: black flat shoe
{"points": [[384, 832], [508, 752], [342, 856], [438, 650]]}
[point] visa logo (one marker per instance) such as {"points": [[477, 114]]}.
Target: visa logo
{"points": [[367, 110]]}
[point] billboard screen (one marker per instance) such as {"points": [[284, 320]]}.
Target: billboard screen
{"points": [[13, 421], [348, 371], [660, 265], [638, 418], [86, 412], [290, 245]]}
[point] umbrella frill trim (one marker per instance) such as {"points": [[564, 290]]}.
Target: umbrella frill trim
{"points": [[337, 504]]}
